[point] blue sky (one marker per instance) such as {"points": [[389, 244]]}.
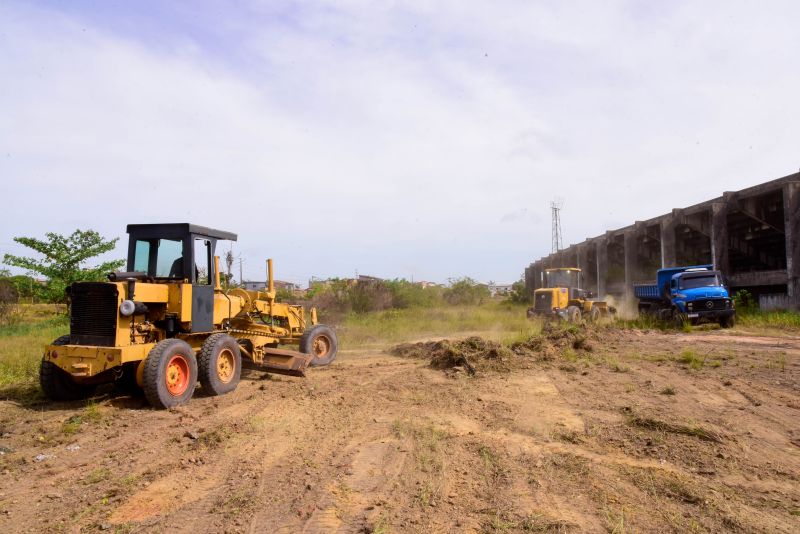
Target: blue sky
{"points": [[398, 139]]}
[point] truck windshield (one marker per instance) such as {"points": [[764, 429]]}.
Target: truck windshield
{"points": [[562, 278], [710, 280]]}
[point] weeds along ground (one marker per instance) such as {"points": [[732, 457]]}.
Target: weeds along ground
{"points": [[499, 321], [22, 341]]}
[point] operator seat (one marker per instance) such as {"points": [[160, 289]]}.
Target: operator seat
{"points": [[176, 271]]}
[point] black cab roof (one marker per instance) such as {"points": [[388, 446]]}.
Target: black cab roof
{"points": [[177, 230]]}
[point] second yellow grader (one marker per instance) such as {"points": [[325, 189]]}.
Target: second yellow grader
{"points": [[562, 298]]}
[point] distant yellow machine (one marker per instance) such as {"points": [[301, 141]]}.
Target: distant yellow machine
{"points": [[562, 298], [166, 324]]}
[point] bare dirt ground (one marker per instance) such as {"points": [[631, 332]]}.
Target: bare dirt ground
{"points": [[628, 431]]}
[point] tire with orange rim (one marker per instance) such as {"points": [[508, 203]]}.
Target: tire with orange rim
{"points": [[320, 341], [220, 364], [170, 373]]}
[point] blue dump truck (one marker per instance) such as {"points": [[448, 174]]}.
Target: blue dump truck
{"points": [[692, 295]]}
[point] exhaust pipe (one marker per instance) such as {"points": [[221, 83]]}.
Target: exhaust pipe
{"points": [[270, 280]]}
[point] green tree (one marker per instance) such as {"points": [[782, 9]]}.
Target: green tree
{"points": [[64, 259], [519, 293]]}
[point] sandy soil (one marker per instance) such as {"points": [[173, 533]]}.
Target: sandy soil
{"points": [[632, 432]]}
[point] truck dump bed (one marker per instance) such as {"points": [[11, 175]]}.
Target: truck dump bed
{"points": [[647, 291]]}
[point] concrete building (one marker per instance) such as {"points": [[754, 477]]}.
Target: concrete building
{"points": [[261, 285], [752, 236], [499, 289]]}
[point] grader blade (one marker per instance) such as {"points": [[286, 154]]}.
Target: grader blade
{"points": [[285, 362]]}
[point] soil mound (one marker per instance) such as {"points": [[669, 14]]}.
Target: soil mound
{"points": [[473, 354], [554, 340]]}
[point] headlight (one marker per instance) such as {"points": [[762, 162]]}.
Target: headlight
{"points": [[130, 307], [689, 305], [127, 308]]}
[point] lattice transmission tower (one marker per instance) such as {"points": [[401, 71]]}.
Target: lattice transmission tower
{"points": [[555, 208]]}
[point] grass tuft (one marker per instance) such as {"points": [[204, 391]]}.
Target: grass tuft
{"points": [[662, 426]]}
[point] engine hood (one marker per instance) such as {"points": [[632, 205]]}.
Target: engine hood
{"points": [[705, 293]]}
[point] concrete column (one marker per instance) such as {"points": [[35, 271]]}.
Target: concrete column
{"points": [[668, 254], [529, 279], [719, 234], [791, 214], [602, 266], [630, 264], [583, 261]]}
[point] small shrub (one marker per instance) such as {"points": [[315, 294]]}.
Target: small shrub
{"points": [[8, 301], [465, 291], [72, 425], [692, 359], [744, 301]]}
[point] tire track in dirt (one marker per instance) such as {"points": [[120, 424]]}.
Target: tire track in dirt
{"points": [[354, 440]]}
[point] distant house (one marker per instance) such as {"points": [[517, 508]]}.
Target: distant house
{"points": [[499, 289], [254, 286], [424, 285], [260, 285]]}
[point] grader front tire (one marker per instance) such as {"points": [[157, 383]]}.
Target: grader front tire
{"points": [[573, 315], [170, 374], [219, 364], [320, 342]]}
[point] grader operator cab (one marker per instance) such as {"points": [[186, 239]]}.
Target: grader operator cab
{"points": [[562, 298], [166, 324]]}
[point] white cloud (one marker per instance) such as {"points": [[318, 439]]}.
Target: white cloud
{"points": [[398, 139]]}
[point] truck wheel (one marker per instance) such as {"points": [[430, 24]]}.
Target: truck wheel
{"points": [[679, 320], [320, 341], [57, 384], [728, 322], [595, 314], [220, 364], [573, 314], [170, 374]]}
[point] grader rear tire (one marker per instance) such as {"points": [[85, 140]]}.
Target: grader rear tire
{"points": [[219, 364], [573, 315], [170, 374], [595, 314], [57, 384], [320, 341]]}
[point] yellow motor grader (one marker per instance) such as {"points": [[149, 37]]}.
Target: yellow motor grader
{"points": [[562, 298], [166, 324]]}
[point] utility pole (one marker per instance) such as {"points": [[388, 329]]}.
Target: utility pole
{"points": [[241, 279], [555, 208], [229, 259]]}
